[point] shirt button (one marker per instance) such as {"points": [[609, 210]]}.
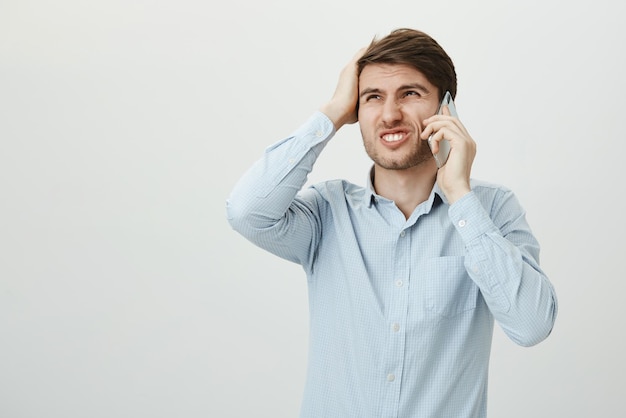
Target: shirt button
{"points": [[318, 133], [391, 377], [395, 327], [291, 161], [402, 234], [462, 223], [399, 283]]}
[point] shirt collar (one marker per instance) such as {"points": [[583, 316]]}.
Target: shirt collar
{"points": [[437, 190], [370, 195]]}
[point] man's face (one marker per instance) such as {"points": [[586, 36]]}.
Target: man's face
{"points": [[394, 99]]}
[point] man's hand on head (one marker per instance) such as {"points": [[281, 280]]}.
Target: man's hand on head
{"points": [[341, 109]]}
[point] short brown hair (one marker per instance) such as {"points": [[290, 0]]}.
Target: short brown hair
{"points": [[417, 49]]}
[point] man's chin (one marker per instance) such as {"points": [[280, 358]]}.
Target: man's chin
{"points": [[404, 164]]}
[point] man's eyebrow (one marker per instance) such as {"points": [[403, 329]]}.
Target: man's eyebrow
{"points": [[369, 90], [410, 86], [414, 86]]}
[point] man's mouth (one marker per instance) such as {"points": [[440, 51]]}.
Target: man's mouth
{"points": [[393, 137]]}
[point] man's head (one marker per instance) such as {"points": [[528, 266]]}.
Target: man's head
{"points": [[402, 79], [418, 50]]}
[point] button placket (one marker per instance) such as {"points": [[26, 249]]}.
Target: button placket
{"points": [[396, 316]]}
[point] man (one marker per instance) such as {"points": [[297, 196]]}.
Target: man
{"points": [[406, 274]]}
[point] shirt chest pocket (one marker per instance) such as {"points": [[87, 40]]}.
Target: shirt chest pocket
{"points": [[446, 288]]}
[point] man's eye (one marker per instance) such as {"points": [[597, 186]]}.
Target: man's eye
{"points": [[412, 93], [372, 97]]}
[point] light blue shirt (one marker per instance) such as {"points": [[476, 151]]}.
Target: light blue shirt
{"points": [[401, 311]]}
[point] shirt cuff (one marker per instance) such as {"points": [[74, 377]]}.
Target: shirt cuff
{"points": [[470, 218], [318, 128]]}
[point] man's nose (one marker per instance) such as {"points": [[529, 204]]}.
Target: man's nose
{"points": [[392, 112]]}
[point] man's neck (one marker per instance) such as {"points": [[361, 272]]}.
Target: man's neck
{"points": [[407, 188]]}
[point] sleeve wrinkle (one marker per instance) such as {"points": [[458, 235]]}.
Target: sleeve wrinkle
{"points": [[265, 206]]}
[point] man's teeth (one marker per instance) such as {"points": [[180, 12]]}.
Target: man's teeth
{"points": [[393, 137]]}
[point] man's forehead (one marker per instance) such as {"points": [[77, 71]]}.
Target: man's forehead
{"points": [[384, 76]]}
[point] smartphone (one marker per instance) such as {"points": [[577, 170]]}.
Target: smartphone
{"points": [[444, 146]]}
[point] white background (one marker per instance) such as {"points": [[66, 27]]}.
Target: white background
{"points": [[124, 124]]}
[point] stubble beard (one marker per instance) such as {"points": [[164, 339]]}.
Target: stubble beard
{"points": [[403, 160]]}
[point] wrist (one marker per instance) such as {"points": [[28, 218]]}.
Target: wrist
{"points": [[338, 115], [456, 194]]}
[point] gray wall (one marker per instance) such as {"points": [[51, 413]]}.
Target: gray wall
{"points": [[124, 124]]}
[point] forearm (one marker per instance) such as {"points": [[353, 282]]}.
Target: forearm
{"points": [[262, 198], [503, 261]]}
